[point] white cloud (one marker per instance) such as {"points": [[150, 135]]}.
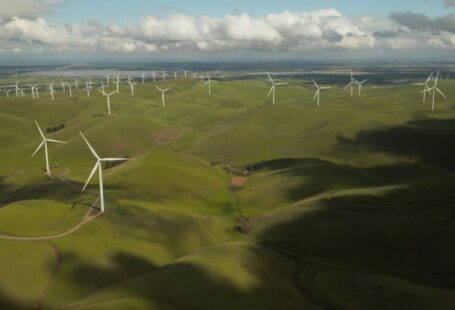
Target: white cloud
{"points": [[25, 8], [322, 30], [449, 2]]}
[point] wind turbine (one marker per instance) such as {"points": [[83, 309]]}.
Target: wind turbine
{"points": [[435, 89], [51, 90], [70, 87], [274, 85], [360, 84], [76, 84], [117, 82], [426, 88], [352, 84], [162, 94], [154, 76], [209, 83], [17, 88], [37, 88], [318, 92], [164, 76], [32, 87], [185, 72], [107, 79], [63, 86], [175, 74], [194, 75], [131, 84], [143, 77], [98, 166], [109, 100], [44, 143], [88, 88], [7, 92]]}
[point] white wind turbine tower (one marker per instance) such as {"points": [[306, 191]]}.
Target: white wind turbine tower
{"points": [[63, 86], [143, 77], [164, 76], [44, 143], [107, 79], [51, 90], [154, 76], [352, 84], [435, 89], [70, 87], [162, 94], [360, 84], [426, 88], [17, 88], [32, 88], [109, 100], [318, 92], [175, 74], [98, 166], [209, 83], [88, 88], [37, 88], [117, 83], [273, 88], [76, 84], [185, 72], [131, 84]]}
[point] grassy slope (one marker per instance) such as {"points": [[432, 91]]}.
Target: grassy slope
{"points": [[352, 204]]}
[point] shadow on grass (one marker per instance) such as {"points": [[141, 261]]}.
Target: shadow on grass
{"points": [[430, 141]]}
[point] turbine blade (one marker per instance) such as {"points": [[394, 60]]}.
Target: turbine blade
{"points": [[167, 89], [280, 84], [158, 88], [114, 159], [38, 148], [315, 84], [316, 95], [271, 90], [39, 129], [55, 141], [91, 175], [89, 146], [442, 94], [270, 78]]}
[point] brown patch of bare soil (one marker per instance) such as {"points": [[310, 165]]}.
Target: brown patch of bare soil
{"points": [[165, 135], [238, 181]]}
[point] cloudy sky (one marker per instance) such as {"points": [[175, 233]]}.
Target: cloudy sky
{"points": [[226, 29]]}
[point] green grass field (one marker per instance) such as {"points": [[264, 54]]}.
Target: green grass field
{"points": [[346, 206]]}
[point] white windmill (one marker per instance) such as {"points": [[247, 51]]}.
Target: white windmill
{"points": [[52, 90], [163, 91], [131, 84], [98, 166], [435, 89], [360, 84], [426, 88], [44, 143], [273, 88], [352, 84], [209, 83], [318, 92], [109, 100]]}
